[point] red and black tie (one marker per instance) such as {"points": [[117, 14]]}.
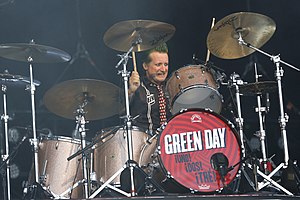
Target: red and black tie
{"points": [[162, 105]]}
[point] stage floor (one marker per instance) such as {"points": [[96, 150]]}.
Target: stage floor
{"points": [[113, 195], [215, 197]]}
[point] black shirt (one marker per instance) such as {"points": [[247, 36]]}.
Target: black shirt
{"points": [[144, 106]]}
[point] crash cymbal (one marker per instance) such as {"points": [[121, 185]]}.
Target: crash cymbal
{"points": [[121, 36], [16, 80], [102, 98], [38, 53], [258, 88], [255, 29]]}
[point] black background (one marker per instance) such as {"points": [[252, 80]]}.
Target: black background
{"points": [[56, 23]]}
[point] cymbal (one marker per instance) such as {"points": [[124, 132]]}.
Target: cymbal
{"points": [[255, 29], [258, 88], [16, 80], [102, 99], [123, 35], [38, 53]]}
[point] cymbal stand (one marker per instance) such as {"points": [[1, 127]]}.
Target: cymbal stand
{"points": [[80, 119], [128, 119], [33, 141], [261, 133], [283, 119], [5, 118], [236, 81]]}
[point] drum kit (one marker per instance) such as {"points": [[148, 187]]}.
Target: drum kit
{"points": [[196, 151]]}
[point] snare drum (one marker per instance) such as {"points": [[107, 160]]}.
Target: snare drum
{"points": [[194, 86], [56, 173], [191, 149]]}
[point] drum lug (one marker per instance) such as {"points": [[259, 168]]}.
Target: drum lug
{"points": [[56, 145], [192, 191], [158, 150], [180, 88], [169, 175], [93, 176], [177, 74], [43, 179]]}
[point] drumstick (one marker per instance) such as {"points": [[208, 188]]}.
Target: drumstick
{"points": [[134, 61], [208, 52]]}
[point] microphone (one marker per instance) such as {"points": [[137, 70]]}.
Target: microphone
{"points": [[219, 163]]}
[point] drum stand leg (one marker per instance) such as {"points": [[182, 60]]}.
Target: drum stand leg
{"points": [[70, 189], [128, 164]]}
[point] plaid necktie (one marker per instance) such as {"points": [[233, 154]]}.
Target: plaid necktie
{"points": [[162, 105]]}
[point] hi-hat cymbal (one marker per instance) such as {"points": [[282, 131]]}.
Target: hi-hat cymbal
{"points": [[145, 33], [255, 29], [33, 53], [102, 99], [16, 80], [258, 88]]}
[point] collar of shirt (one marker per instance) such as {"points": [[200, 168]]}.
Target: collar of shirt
{"points": [[147, 82]]}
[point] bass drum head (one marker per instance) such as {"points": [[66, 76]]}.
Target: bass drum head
{"points": [[192, 147]]}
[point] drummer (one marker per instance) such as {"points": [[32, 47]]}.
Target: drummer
{"points": [[148, 102]]}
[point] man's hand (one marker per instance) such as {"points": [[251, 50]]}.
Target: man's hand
{"points": [[134, 82]]}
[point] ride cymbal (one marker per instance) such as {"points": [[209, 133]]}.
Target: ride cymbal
{"points": [[142, 34], [99, 99], [255, 29], [33, 53]]}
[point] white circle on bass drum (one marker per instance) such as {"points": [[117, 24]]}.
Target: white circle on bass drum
{"points": [[200, 150]]}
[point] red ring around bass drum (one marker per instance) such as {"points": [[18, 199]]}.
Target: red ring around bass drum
{"points": [[187, 143]]}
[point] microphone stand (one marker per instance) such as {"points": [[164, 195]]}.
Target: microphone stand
{"points": [[90, 145]]}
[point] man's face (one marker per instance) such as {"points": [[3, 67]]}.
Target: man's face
{"points": [[157, 69]]}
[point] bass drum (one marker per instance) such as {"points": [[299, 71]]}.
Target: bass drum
{"points": [[198, 150], [194, 86], [56, 174]]}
